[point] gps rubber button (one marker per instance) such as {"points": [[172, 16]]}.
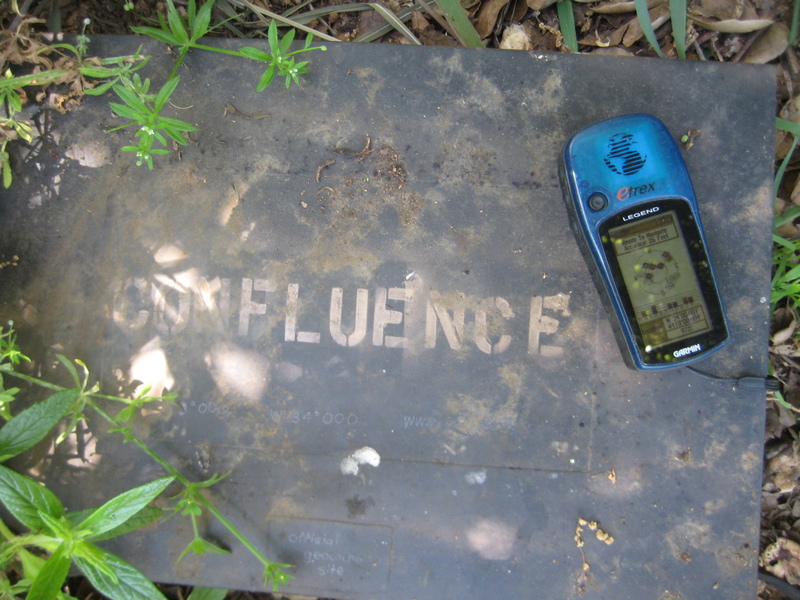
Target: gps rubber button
{"points": [[598, 202]]}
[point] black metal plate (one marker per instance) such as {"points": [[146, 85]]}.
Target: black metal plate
{"points": [[419, 299]]}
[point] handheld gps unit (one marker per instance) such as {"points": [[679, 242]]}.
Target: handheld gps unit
{"points": [[634, 214]]}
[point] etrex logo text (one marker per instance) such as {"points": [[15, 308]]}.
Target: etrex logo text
{"points": [[626, 193]]}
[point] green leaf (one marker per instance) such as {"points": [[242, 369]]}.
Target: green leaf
{"points": [[160, 138], [191, 13], [275, 573], [175, 124], [787, 125], [175, 135], [176, 25], [202, 20], [200, 546], [57, 527], [41, 78], [24, 498], [647, 25], [272, 36], [95, 557], [782, 241], [30, 426], [255, 54], [99, 90], [97, 72], [131, 99], [131, 584], [70, 367], [7, 175], [789, 215], [165, 37], [287, 41], [566, 21], [165, 92], [458, 18], [51, 577], [118, 510], [146, 516], [204, 593], [125, 111], [266, 78], [677, 13]]}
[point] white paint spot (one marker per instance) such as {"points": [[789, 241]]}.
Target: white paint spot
{"points": [[476, 477], [362, 456]]}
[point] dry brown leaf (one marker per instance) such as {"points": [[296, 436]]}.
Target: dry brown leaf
{"points": [[614, 38], [539, 4], [782, 559], [718, 9], [783, 472], [731, 25], [615, 51], [769, 46], [487, 16], [621, 7], [784, 334], [418, 22]]}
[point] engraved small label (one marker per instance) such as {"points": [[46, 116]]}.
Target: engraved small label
{"points": [[333, 556]]}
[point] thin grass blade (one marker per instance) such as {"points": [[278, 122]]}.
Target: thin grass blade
{"points": [[263, 12], [566, 21], [647, 25], [784, 164], [395, 22], [677, 12], [458, 18]]}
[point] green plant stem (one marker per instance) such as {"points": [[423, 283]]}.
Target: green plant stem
{"points": [[157, 458], [178, 62], [28, 378], [220, 50], [6, 532], [180, 477]]}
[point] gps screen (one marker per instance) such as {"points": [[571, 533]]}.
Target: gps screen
{"points": [[664, 291]]}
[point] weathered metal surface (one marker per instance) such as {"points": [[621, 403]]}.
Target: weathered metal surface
{"points": [[383, 268]]}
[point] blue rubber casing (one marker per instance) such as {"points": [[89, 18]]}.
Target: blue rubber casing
{"points": [[629, 170]]}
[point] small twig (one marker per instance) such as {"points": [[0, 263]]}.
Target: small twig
{"points": [[327, 163], [230, 108]]}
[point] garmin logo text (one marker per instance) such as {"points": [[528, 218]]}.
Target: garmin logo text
{"points": [[687, 350], [642, 213]]}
